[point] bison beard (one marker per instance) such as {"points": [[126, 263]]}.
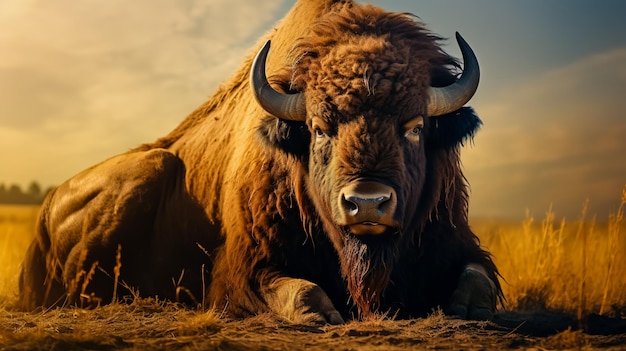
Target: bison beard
{"points": [[366, 265]]}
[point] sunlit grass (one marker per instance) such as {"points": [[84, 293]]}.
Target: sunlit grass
{"points": [[17, 226], [575, 266]]}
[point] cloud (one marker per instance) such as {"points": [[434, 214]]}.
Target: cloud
{"points": [[87, 79], [558, 138]]}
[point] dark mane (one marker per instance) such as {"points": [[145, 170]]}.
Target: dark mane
{"points": [[353, 23]]}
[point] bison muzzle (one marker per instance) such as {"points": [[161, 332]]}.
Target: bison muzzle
{"points": [[367, 208]]}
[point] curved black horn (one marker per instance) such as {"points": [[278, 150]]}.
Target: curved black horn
{"points": [[452, 97], [284, 106]]}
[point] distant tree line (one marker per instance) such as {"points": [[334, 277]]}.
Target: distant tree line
{"points": [[14, 194]]}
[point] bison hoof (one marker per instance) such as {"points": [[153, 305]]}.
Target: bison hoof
{"points": [[475, 295], [317, 304], [301, 301]]}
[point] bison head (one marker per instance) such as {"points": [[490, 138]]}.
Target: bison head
{"points": [[367, 95]]}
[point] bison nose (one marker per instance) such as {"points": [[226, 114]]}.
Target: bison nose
{"points": [[367, 207], [355, 205]]}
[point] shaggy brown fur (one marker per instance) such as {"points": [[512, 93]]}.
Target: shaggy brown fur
{"points": [[252, 199]]}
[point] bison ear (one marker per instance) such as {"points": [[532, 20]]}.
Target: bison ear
{"points": [[292, 137], [452, 129]]}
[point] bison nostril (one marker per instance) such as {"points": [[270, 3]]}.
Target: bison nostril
{"points": [[382, 202], [349, 205]]}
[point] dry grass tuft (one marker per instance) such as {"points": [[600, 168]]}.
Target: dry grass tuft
{"points": [[567, 339]]}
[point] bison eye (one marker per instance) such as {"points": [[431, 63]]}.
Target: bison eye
{"points": [[414, 129], [319, 127], [319, 133]]}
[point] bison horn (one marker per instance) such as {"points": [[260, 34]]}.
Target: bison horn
{"points": [[452, 97], [284, 106]]}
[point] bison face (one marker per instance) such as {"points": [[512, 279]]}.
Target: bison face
{"points": [[362, 172], [360, 124]]}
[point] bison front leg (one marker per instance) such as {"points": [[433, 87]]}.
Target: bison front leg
{"points": [[475, 296], [300, 301]]}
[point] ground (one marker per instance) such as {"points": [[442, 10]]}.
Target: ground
{"points": [[152, 325]]}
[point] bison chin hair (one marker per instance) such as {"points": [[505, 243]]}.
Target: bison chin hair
{"points": [[366, 266]]}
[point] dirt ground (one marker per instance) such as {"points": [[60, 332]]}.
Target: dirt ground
{"points": [[149, 325]]}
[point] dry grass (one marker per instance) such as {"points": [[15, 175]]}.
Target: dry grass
{"points": [[17, 227], [577, 267], [154, 324], [147, 324]]}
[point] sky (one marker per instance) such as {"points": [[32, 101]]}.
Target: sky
{"points": [[83, 80]]}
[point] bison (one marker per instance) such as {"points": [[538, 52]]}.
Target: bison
{"points": [[322, 182]]}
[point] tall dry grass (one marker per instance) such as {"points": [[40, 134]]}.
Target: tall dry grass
{"points": [[17, 227], [577, 266]]}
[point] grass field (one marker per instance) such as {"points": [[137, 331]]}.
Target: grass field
{"points": [[577, 267]]}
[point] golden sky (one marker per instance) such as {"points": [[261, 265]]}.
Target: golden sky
{"points": [[83, 80]]}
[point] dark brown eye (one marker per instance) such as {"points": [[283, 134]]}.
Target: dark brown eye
{"points": [[320, 128], [319, 133], [414, 130]]}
